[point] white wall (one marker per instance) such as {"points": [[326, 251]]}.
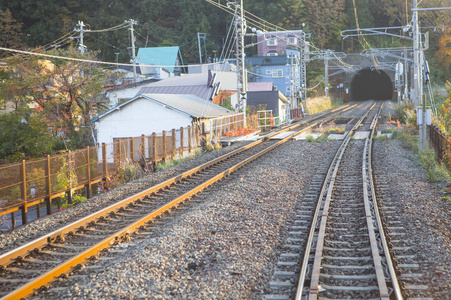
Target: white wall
{"points": [[137, 118]]}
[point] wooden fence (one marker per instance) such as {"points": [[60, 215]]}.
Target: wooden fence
{"points": [[32, 182]]}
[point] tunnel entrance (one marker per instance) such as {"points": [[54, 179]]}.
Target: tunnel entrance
{"points": [[370, 84]]}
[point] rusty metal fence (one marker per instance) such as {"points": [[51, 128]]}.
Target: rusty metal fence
{"points": [[437, 141], [32, 182]]}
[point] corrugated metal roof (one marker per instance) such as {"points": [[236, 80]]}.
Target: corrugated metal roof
{"points": [[187, 104], [160, 56], [201, 91], [227, 79], [260, 86], [189, 79]]}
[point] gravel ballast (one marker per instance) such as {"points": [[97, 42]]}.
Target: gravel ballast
{"points": [[223, 248], [226, 245]]}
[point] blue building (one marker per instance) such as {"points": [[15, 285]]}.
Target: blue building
{"points": [[277, 69]]}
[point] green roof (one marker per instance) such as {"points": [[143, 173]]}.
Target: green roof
{"points": [[160, 56]]}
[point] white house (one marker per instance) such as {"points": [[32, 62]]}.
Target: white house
{"points": [[148, 113], [123, 93]]}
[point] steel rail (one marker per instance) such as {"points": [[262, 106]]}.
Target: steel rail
{"points": [[68, 266], [382, 284], [330, 176], [9, 257], [391, 269]]}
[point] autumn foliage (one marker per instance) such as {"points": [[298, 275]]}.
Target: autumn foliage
{"points": [[444, 47], [239, 132]]}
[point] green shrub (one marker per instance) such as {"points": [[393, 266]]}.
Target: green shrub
{"points": [[129, 171], [309, 138], [407, 137], [436, 172], [322, 138]]}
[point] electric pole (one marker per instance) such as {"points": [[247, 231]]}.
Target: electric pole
{"points": [[80, 29], [303, 58], [326, 72], [417, 82], [132, 22], [240, 29]]}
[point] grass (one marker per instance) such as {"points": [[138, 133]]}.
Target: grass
{"points": [[319, 104], [171, 163], [436, 171]]}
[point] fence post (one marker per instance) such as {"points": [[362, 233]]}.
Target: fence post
{"points": [[69, 192], [149, 143], [48, 186], [189, 139], [23, 192], [105, 162], [164, 145], [88, 173], [143, 147], [120, 154], [132, 150], [196, 130], [174, 144], [154, 147], [181, 142], [211, 128]]}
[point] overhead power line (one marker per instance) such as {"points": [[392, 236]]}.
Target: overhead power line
{"points": [[92, 61]]}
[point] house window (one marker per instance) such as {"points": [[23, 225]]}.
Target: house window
{"points": [[267, 61], [277, 73], [273, 54], [272, 42], [268, 72], [287, 89], [292, 41]]}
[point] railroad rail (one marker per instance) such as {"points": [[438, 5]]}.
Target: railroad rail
{"points": [[36, 264], [348, 259], [345, 255]]}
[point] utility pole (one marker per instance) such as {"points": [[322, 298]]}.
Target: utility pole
{"points": [[202, 36], [326, 73], [132, 22], [303, 58], [80, 29], [240, 30], [417, 82]]}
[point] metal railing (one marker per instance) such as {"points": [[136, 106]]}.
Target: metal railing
{"points": [[221, 125]]}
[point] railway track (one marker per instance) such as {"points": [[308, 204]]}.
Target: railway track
{"points": [[34, 266], [346, 255]]}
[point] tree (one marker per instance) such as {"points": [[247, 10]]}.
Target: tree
{"points": [[10, 32], [65, 93], [444, 48], [24, 134], [326, 19]]}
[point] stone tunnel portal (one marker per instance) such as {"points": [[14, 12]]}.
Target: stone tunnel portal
{"points": [[371, 84]]}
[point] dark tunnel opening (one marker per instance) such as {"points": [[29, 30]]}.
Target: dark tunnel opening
{"points": [[370, 84]]}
